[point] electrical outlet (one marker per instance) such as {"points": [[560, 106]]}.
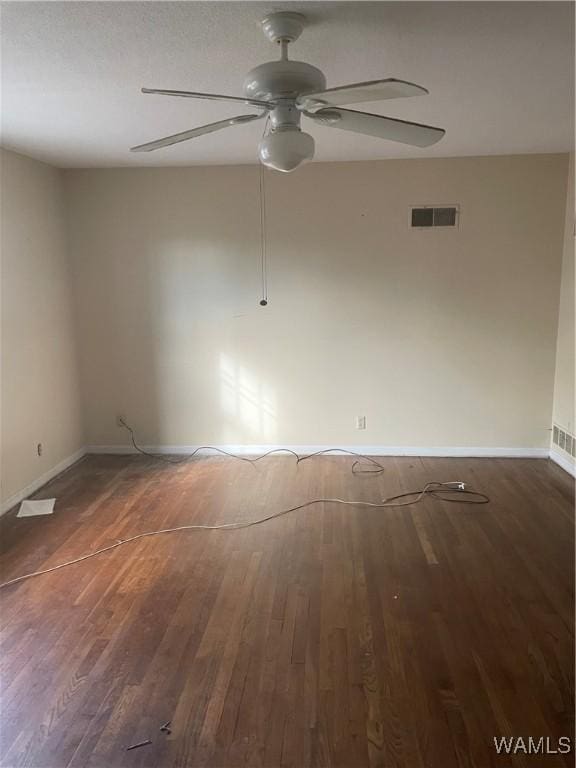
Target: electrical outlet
{"points": [[360, 422], [39, 449], [120, 420]]}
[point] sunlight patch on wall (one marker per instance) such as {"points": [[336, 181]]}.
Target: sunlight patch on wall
{"points": [[248, 402]]}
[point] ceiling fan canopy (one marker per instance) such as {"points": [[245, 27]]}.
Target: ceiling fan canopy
{"points": [[284, 91]]}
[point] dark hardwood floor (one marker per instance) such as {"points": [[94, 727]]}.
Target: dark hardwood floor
{"points": [[333, 636]]}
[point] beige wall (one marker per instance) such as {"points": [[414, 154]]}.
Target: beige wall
{"points": [[564, 379], [40, 385], [440, 338]]}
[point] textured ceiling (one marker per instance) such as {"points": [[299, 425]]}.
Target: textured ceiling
{"points": [[500, 75]]}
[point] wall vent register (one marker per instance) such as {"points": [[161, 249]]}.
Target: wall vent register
{"points": [[429, 216], [564, 440]]}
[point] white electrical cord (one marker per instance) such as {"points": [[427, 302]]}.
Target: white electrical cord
{"points": [[377, 467], [433, 489]]}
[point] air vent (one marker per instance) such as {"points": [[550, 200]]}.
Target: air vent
{"points": [[430, 216], [564, 440]]}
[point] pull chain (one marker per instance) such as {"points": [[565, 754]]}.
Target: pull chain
{"points": [[263, 254]]}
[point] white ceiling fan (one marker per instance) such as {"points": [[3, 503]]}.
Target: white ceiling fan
{"points": [[284, 91]]}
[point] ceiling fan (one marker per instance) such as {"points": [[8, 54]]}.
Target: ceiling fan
{"points": [[283, 91]]}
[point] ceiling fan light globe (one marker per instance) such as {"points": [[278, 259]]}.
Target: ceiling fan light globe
{"points": [[285, 150]]}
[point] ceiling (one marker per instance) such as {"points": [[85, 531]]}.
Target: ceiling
{"points": [[500, 76]]}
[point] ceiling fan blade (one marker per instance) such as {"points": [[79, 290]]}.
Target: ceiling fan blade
{"points": [[211, 96], [191, 134], [379, 126], [373, 90]]}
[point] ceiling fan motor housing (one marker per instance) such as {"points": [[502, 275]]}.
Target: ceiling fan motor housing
{"points": [[283, 79]]}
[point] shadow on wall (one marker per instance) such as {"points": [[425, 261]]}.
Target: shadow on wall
{"points": [[168, 286], [204, 327]]}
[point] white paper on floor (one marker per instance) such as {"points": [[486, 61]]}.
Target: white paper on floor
{"points": [[33, 507]]}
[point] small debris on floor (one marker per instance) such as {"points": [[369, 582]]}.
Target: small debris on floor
{"points": [[166, 727], [33, 507], [140, 744]]}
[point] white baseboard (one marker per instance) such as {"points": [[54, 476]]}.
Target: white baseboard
{"points": [[368, 450], [563, 460], [62, 466]]}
